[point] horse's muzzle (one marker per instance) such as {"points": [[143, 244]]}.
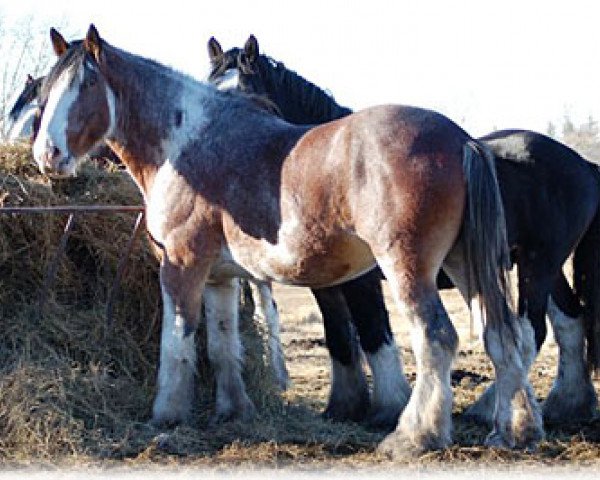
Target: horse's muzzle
{"points": [[54, 164]]}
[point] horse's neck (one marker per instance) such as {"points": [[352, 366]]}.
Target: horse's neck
{"points": [[300, 101], [149, 113]]}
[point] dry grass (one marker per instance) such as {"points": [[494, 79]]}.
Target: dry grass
{"points": [[76, 392], [73, 388]]}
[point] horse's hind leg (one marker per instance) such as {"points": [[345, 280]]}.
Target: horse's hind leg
{"points": [[572, 394], [391, 391], [267, 311], [225, 350], [509, 404], [349, 395], [532, 307], [425, 423]]}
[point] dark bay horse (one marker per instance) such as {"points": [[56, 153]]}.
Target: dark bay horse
{"points": [[233, 191], [551, 198]]}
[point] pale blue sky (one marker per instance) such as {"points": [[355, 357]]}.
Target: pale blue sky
{"points": [[485, 64]]}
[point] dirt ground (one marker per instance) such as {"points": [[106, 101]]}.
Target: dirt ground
{"points": [[302, 333], [295, 437]]}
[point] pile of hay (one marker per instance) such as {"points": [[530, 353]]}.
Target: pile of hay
{"points": [[72, 387]]}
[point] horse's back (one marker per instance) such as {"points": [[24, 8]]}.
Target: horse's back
{"points": [[387, 172], [546, 186], [357, 182]]}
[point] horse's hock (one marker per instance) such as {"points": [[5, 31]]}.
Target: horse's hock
{"points": [[69, 344]]}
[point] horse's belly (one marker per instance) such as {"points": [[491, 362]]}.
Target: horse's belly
{"points": [[338, 260]]}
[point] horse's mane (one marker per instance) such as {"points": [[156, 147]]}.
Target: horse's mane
{"points": [[30, 93], [73, 56], [312, 98], [263, 102], [160, 81]]}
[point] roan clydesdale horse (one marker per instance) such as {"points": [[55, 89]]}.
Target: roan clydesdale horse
{"points": [[234, 191]]}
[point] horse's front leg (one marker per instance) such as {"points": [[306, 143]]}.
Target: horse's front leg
{"points": [[225, 350], [181, 292], [267, 311]]}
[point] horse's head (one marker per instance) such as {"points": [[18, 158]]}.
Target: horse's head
{"points": [[77, 105], [295, 99], [23, 114], [237, 67], [27, 98]]}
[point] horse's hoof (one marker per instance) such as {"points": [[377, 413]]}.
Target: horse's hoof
{"points": [[163, 441], [348, 408], [345, 412], [495, 440], [560, 408], [398, 446], [527, 429], [243, 413], [383, 419], [162, 418], [479, 413]]}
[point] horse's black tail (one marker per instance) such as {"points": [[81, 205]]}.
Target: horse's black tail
{"points": [[484, 231], [586, 281]]}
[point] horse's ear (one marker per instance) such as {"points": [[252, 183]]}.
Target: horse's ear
{"points": [[215, 52], [251, 49], [29, 80], [59, 44], [93, 42]]}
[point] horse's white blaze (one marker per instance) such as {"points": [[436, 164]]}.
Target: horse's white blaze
{"points": [[229, 80], [390, 388], [52, 132]]}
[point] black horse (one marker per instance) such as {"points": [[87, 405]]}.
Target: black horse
{"points": [[551, 197]]}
